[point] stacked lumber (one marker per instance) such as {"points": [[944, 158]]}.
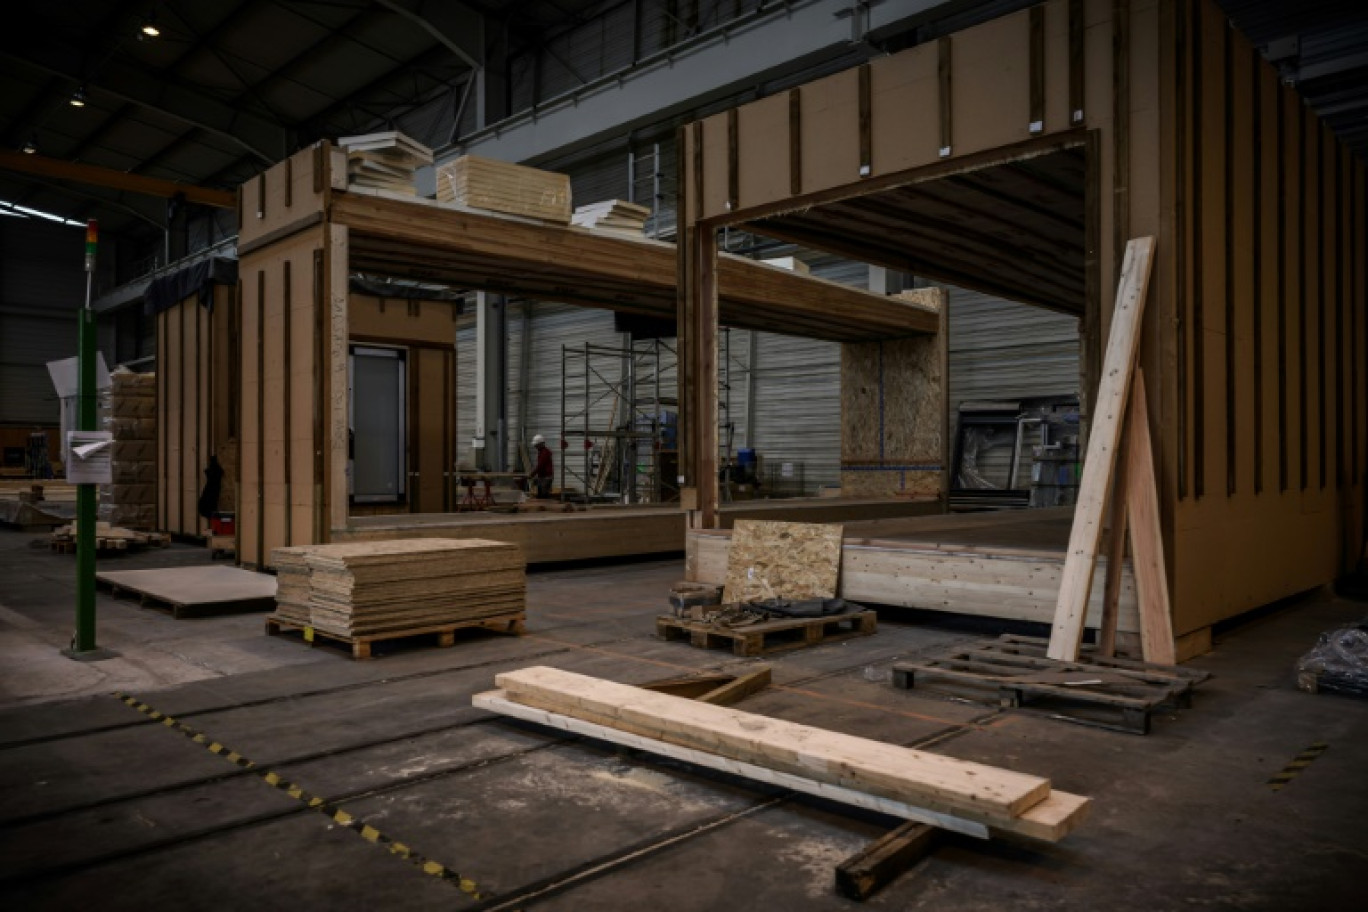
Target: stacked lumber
{"points": [[960, 791], [618, 216], [362, 588], [384, 161], [483, 183], [132, 498]]}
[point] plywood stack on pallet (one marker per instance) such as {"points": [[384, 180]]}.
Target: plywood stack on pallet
{"points": [[365, 588], [131, 500], [384, 161], [483, 183], [292, 584], [618, 216]]}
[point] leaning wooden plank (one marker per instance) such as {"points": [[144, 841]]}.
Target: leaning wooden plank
{"points": [[1142, 495], [927, 780], [1117, 367], [1050, 820], [499, 702]]}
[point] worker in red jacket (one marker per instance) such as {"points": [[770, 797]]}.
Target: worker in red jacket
{"points": [[544, 471]]}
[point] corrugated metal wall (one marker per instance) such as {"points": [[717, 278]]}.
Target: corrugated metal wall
{"points": [[42, 284], [1005, 350]]}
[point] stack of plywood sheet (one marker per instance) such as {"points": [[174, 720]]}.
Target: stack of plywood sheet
{"points": [[618, 216], [292, 584], [131, 500], [364, 588], [483, 183], [384, 161], [957, 794]]}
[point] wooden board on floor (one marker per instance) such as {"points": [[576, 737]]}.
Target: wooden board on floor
{"points": [[196, 590], [782, 560], [930, 780]]}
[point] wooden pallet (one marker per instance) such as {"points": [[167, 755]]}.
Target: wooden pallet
{"points": [[361, 644], [1114, 693], [64, 543], [768, 636], [192, 591]]}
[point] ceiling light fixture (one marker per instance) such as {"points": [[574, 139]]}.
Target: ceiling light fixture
{"points": [[78, 99], [31, 146], [149, 28]]}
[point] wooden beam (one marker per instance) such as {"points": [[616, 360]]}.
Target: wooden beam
{"points": [[1116, 553], [42, 166], [878, 864], [1147, 542], [1117, 369]]}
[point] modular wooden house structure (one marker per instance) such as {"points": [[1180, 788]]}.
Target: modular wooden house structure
{"points": [[304, 235], [1017, 157]]}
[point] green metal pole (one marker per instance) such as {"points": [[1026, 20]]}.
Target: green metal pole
{"points": [[85, 494]]}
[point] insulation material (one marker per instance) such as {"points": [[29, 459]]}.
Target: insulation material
{"points": [[782, 560]]}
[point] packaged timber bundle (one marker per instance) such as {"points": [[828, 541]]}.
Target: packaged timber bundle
{"points": [[131, 501], [618, 216], [483, 183], [384, 161], [361, 588]]}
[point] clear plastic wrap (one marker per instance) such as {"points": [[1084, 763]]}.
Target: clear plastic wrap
{"points": [[1338, 662]]}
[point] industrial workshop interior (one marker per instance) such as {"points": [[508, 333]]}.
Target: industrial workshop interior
{"points": [[687, 455]]}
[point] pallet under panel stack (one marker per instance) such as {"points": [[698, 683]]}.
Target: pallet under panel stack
{"points": [[131, 501]]}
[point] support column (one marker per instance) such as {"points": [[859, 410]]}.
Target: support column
{"points": [[491, 334]]}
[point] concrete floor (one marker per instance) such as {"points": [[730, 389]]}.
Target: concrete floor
{"points": [[99, 804]]}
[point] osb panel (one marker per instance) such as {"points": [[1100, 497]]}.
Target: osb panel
{"points": [[401, 320], [990, 85], [831, 132], [714, 165], [904, 109], [256, 221], [433, 429], [337, 255], [873, 481], [763, 144], [892, 401], [782, 560], [1057, 111]]}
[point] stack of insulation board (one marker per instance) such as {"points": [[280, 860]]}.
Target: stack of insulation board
{"points": [[131, 500], [483, 183], [613, 215], [384, 161], [361, 588]]}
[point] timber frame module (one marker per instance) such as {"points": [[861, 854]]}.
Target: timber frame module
{"points": [[1018, 157], [303, 234]]}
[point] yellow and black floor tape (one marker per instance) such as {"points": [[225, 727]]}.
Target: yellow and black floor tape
{"points": [[1299, 763], [334, 813]]}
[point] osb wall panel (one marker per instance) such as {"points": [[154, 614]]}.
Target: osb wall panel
{"points": [[286, 193], [768, 560], [281, 406], [400, 320], [893, 412], [1268, 499]]}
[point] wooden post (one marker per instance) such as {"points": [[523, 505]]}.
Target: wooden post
{"points": [[1075, 585]]}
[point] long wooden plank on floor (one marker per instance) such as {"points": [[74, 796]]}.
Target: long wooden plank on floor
{"points": [[1118, 366], [1050, 820], [1147, 545], [916, 777]]}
